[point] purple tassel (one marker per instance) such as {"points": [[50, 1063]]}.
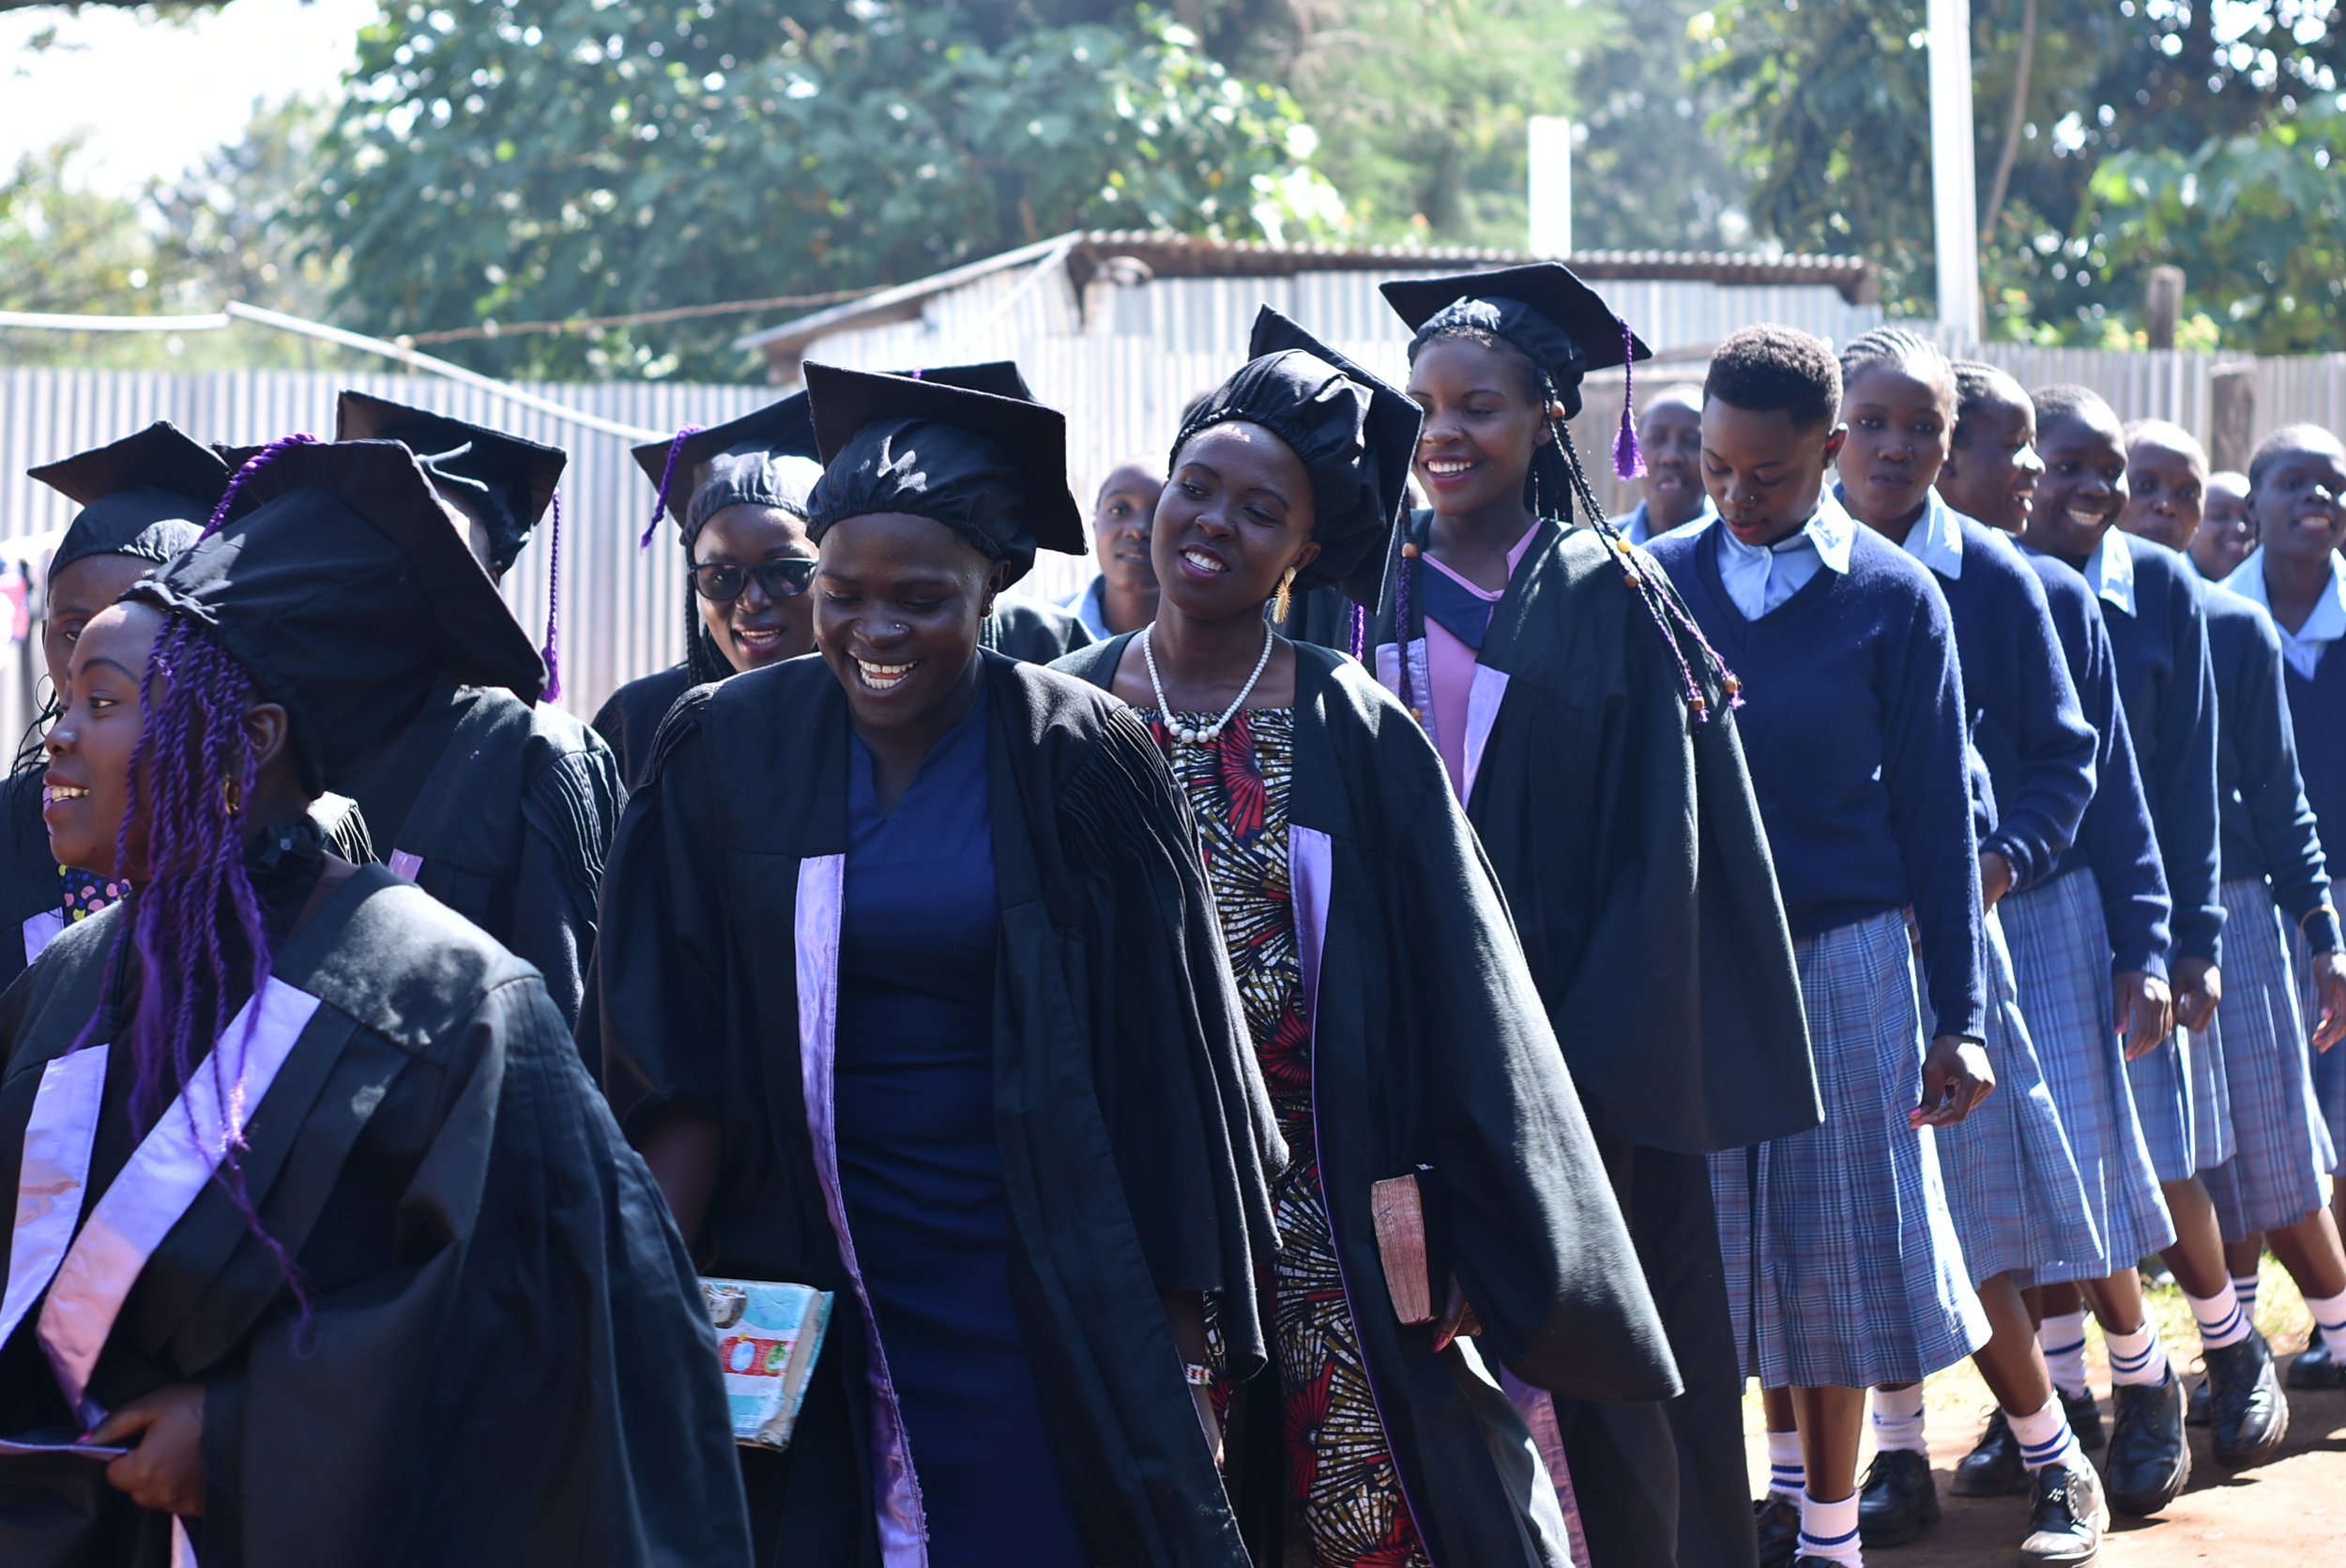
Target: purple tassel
{"points": [[1360, 631], [1628, 457], [252, 466], [668, 477], [551, 652]]}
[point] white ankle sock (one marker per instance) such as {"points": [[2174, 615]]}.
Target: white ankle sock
{"points": [[2044, 1438], [2243, 1290], [1829, 1531], [1787, 1472], [2329, 1321], [2136, 1357], [2063, 1339], [2221, 1321], [1898, 1417]]}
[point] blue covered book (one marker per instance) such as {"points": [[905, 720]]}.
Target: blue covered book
{"points": [[767, 1339]]}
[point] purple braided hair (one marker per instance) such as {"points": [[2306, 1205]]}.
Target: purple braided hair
{"points": [[194, 921], [250, 467], [667, 478], [551, 652], [1360, 629]]}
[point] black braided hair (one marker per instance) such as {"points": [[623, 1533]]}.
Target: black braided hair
{"points": [[1976, 382], [1900, 347], [1557, 480], [703, 660]]}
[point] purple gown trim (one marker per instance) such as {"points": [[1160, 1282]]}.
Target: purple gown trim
{"points": [[40, 931], [58, 1136], [405, 866], [822, 893], [1483, 699]]}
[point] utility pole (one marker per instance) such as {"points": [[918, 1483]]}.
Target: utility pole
{"points": [[1550, 163], [1953, 185]]}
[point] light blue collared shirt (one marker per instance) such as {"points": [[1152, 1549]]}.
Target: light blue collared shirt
{"points": [[1638, 528], [2110, 571], [1090, 607], [2305, 646], [1936, 540], [1759, 579]]}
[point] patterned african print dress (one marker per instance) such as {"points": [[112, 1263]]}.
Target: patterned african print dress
{"points": [[1340, 1478]]}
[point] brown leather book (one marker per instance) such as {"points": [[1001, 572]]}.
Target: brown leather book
{"points": [[1399, 1208]]}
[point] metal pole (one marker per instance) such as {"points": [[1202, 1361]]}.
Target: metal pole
{"points": [[1955, 195], [1550, 163]]}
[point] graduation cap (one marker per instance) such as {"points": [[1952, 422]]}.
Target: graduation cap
{"points": [[1561, 323], [338, 583], [983, 459], [146, 496], [765, 458], [1354, 431], [505, 482]]}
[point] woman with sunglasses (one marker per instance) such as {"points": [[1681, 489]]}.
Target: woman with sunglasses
{"points": [[737, 492]]}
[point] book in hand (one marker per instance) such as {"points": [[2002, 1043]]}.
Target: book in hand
{"points": [[1413, 1218], [768, 1337]]}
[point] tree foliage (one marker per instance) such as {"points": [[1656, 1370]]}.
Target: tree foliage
{"points": [[1828, 106], [584, 157]]}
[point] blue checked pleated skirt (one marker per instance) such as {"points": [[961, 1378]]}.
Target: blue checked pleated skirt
{"points": [[2329, 1067], [2061, 960], [1847, 1272], [2281, 1144], [2013, 1184], [2179, 1093]]}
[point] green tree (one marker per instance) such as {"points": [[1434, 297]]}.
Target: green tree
{"points": [[1648, 173], [580, 158]]}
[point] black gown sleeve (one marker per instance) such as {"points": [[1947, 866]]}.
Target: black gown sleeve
{"points": [[569, 808], [1179, 1084]]}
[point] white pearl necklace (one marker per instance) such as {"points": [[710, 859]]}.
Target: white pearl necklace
{"points": [[1184, 733]]}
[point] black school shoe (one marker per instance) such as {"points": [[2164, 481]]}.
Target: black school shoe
{"points": [[2149, 1461], [2085, 1418], [1777, 1521], [2251, 1412], [1898, 1499], [2064, 1530], [2315, 1368], [1993, 1467], [2200, 1410]]}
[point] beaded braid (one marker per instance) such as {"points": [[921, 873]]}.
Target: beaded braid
{"points": [[551, 652], [250, 467], [193, 921]]}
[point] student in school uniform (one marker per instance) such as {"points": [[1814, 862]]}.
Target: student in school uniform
{"points": [[2013, 1184], [2274, 877], [1122, 595], [2089, 951], [1842, 1264], [2159, 633], [1585, 727], [2225, 536], [2298, 504], [1670, 435]]}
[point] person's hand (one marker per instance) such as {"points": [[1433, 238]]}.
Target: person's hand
{"points": [[1208, 1418], [1956, 1078], [1454, 1319], [2329, 998], [1995, 878], [165, 1471], [2199, 986], [2145, 1011]]}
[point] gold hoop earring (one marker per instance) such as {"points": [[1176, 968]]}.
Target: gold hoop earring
{"points": [[231, 797], [1282, 604]]}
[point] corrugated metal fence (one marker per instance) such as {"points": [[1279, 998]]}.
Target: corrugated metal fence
{"points": [[1123, 393]]}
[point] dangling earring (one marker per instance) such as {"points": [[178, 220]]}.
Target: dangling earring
{"points": [[1280, 605], [231, 797]]}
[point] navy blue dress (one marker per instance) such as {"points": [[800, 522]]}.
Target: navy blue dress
{"points": [[921, 1166]]}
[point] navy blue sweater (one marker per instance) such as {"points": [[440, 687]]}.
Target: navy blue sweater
{"points": [[2116, 841], [1853, 725], [2317, 711], [2268, 824], [2018, 686], [2168, 689]]}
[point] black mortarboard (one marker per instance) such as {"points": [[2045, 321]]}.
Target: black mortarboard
{"points": [[766, 458], [989, 466], [1354, 431], [338, 583], [1562, 324], [146, 496], [509, 482]]}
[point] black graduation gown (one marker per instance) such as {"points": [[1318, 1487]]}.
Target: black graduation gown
{"points": [[632, 716], [1628, 843], [508, 1359], [1429, 1047], [1135, 1133], [28, 876], [1033, 632], [509, 808]]}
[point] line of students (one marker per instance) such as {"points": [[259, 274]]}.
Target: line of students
{"points": [[1789, 843]]}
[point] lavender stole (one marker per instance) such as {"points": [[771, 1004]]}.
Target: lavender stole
{"points": [[93, 1272]]}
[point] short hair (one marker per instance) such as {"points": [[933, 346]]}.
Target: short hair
{"points": [[2069, 400], [1677, 394], [1900, 347], [1137, 465], [2228, 479], [1979, 383], [2290, 438], [2167, 433], [1769, 369]]}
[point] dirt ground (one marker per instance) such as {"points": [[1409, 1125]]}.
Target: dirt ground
{"points": [[2291, 1513]]}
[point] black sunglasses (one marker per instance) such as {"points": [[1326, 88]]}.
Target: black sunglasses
{"points": [[722, 582]]}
